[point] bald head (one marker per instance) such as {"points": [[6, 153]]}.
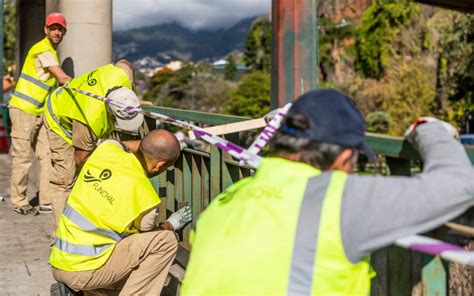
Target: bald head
{"points": [[160, 145]]}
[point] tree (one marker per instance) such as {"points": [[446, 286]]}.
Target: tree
{"points": [[193, 87], [258, 45], [230, 68], [252, 96], [379, 122], [9, 34], [379, 26]]}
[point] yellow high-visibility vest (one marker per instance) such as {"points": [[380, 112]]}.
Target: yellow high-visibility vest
{"points": [[111, 191], [31, 92], [271, 235], [64, 105]]}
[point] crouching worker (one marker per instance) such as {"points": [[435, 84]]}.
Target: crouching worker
{"points": [[107, 241]]}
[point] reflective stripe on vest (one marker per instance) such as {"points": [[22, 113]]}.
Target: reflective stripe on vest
{"points": [[55, 118], [83, 250], [100, 212], [88, 226], [303, 258], [36, 82], [283, 226], [28, 99], [30, 91]]}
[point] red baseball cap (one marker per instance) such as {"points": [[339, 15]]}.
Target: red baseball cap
{"points": [[56, 18]]}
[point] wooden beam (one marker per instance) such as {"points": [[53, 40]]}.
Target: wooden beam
{"points": [[233, 127]]}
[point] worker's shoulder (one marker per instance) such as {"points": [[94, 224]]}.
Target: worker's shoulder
{"points": [[111, 143]]}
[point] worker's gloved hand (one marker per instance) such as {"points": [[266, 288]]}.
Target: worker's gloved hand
{"points": [[410, 132], [180, 218]]}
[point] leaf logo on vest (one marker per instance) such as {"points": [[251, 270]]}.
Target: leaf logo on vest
{"points": [[91, 81], [104, 175]]}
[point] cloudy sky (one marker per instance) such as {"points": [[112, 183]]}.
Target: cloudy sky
{"points": [[194, 14]]}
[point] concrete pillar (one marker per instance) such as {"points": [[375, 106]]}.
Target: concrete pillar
{"points": [[88, 41], [29, 28], [294, 49]]}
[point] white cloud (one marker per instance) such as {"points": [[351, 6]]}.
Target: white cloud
{"points": [[194, 14]]}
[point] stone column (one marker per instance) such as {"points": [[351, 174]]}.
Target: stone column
{"points": [[88, 41]]}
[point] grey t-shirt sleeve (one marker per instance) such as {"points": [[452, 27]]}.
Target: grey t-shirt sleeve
{"points": [[378, 210]]}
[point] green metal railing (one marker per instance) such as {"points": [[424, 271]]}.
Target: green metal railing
{"points": [[200, 175]]}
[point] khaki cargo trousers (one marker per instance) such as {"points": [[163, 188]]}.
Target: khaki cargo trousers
{"points": [[138, 265], [63, 172], [28, 140]]}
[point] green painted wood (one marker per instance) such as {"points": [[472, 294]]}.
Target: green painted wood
{"points": [[399, 271], [170, 185], [206, 182], [399, 148], [379, 262], [196, 169], [294, 49], [163, 196], [215, 172], [179, 182], [196, 116], [187, 190], [398, 259], [434, 278]]}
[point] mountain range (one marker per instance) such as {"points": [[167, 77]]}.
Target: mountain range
{"points": [[171, 41]]}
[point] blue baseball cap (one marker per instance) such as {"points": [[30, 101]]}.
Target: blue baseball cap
{"points": [[333, 118]]}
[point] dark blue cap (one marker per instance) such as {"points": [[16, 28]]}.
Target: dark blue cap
{"points": [[333, 118]]}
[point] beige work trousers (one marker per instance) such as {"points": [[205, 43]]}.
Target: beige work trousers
{"points": [[138, 265], [63, 173], [28, 137]]}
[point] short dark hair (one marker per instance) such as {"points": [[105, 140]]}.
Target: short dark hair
{"points": [[318, 154]]}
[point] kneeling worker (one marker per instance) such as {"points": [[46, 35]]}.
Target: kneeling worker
{"points": [[74, 122], [107, 239]]}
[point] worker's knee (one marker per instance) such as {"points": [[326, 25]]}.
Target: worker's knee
{"points": [[171, 239], [166, 241]]}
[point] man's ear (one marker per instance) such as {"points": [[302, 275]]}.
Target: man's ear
{"points": [[45, 30], [343, 162], [160, 166]]}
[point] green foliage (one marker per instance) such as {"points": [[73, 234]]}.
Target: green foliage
{"points": [[379, 26], [258, 45], [230, 69], [458, 65], [252, 96], [194, 87], [9, 34], [330, 37], [379, 122]]}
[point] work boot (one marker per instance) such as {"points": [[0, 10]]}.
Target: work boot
{"points": [[46, 209], [26, 210], [60, 289]]}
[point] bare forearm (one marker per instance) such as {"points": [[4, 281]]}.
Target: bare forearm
{"points": [[59, 73]]}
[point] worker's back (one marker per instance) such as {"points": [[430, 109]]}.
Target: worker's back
{"points": [[261, 237]]}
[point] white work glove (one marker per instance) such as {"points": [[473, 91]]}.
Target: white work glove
{"points": [[180, 218], [410, 132]]}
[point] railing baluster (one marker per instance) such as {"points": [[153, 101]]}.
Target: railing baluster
{"points": [[215, 172]]}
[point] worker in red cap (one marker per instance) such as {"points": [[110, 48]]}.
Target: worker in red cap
{"points": [[41, 73]]}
